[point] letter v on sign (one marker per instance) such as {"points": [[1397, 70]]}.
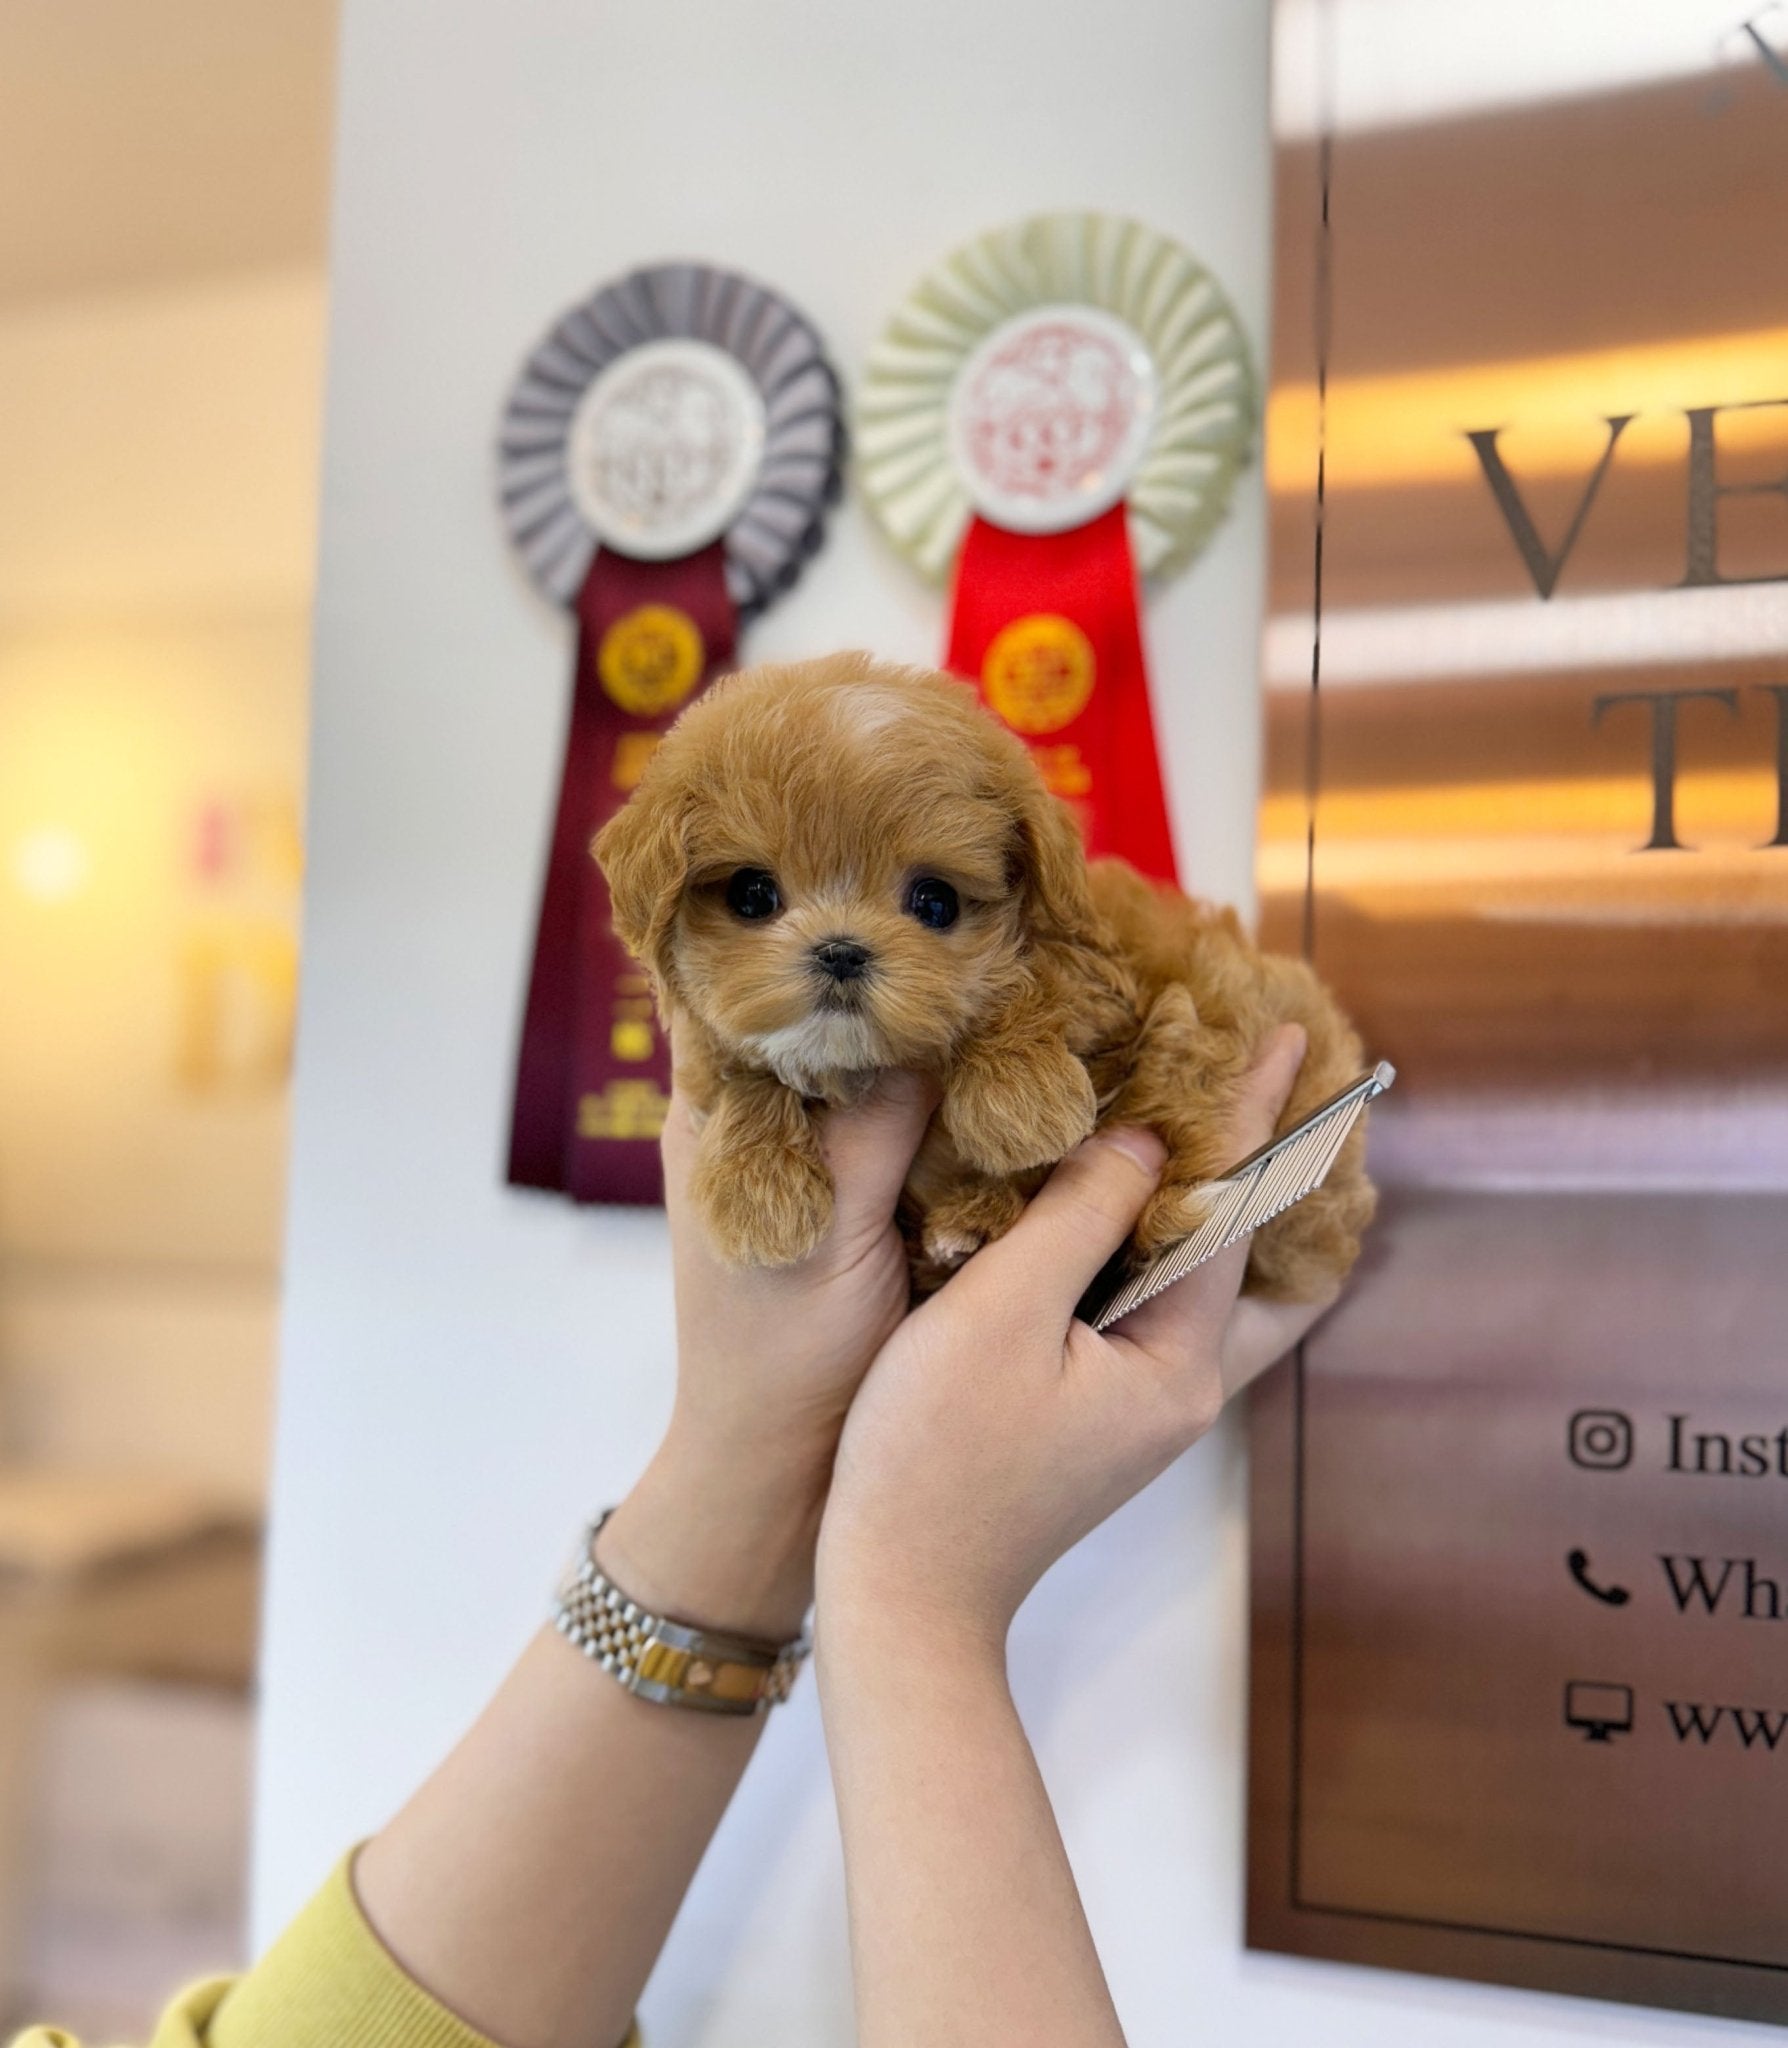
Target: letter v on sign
{"points": [[1542, 567]]}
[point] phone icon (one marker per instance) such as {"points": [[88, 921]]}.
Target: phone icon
{"points": [[1612, 1596]]}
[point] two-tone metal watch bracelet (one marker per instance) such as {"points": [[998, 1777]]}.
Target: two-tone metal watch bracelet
{"points": [[667, 1661]]}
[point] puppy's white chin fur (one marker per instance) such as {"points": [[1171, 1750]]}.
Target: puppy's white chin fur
{"points": [[803, 1056]]}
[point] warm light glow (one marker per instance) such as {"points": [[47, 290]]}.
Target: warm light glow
{"points": [[50, 864], [1411, 429], [1556, 880], [1737, 801], [1393, 851]]}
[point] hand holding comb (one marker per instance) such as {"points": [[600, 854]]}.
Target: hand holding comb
{"points": [[1262, 1186]]}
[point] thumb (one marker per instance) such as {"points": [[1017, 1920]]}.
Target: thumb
{"points": [[1077, 1219], [1267, 1088], [1173, 1328], [869, 1145]]}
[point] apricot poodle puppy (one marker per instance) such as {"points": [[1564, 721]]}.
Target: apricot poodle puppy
{"points": [[838, 866]]}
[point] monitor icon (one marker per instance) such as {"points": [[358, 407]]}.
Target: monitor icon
{"points": [[1600, 1710]]}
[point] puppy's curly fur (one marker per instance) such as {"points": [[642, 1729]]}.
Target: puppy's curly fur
{"points": [[882, 814]]}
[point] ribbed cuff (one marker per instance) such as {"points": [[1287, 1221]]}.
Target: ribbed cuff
{"points": [[329, 1980]]}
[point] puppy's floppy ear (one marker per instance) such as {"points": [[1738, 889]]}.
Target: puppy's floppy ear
{"points": [[1052, 859], [644, 856]]}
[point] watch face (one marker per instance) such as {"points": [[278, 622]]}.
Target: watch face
{"points": [[1050, 416], [665, 448]]}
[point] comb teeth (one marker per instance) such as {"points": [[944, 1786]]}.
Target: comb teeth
{"points": [[1263, 1186]]}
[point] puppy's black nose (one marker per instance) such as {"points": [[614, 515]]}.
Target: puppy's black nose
{"points": [[842, 959]]}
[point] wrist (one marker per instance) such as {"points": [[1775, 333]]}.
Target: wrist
{"points": [[717, 1541], [905, 1660], [780, 1447], [870, 1619]]}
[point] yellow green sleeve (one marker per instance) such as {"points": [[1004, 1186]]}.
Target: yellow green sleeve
{"points": [[328, 1980]]}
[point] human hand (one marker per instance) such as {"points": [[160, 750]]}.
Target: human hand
{"points": [[995, 1430], [721, 1527], [591, 1809]]}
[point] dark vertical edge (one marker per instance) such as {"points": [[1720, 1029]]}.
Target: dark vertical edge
{"points": [[1295, 1791], [1322, 306]]}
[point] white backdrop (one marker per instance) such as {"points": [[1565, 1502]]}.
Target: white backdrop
{"points": [[468, 1371]]}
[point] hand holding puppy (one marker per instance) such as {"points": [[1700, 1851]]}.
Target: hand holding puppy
{"points": [[994, 1430], [722, 1525]]}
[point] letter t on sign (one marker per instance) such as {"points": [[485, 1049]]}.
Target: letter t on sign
{"points": [[1663, 751]]}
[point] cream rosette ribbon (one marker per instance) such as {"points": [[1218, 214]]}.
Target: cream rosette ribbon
{"points": [[1058, 408]]}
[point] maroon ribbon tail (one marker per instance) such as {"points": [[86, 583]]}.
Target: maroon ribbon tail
{"points": [[592, 1077]]}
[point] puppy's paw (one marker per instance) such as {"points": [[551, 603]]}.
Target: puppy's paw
{"points": [[957, 1226], [1010, 1113], [1171, 1212], [947, 1249], [767, 1208]]}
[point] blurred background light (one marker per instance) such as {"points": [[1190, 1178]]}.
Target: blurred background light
{"points": [[162, 302], [50, 864]]}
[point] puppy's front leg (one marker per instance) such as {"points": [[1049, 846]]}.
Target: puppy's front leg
{"points": [[1018, 1097], [760, 1184]]}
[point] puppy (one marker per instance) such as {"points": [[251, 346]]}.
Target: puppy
{"points": [[839, 866]]}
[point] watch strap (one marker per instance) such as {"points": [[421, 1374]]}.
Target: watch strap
{"points": [[670, 1663]]}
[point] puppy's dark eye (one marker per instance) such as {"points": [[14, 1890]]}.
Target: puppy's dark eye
{"points": [[752, 893], [933, 903]]}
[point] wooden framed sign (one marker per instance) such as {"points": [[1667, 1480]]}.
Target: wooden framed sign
{"points": [[1520, 1546]]}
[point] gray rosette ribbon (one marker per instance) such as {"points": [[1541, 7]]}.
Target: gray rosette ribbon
{"points": [[797, 478], [666, 461]]}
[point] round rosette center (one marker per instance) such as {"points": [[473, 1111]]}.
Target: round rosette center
{"points": [[665, 447], [1046, 372], [1050, 416]]}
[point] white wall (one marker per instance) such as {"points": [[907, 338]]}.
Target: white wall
{"points": [[468, 1371]]}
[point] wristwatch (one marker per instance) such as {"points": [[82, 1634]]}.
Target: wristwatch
{"points": [[665, 1661]]}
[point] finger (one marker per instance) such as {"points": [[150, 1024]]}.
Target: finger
{"points": [[1076, 1220], [1266, 1088], [1260, 1333], [869, 1147], [1184, 1319], [677, 1140], [676, 1149]]}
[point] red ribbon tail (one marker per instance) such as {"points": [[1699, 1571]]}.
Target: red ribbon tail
{"points": [[1048, 627]]}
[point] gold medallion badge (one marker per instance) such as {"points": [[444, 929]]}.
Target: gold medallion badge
{"points": [[650, 659], [632, 751], [624, 1109], [1039, 672]]}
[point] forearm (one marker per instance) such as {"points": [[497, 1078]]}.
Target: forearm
{"points": [[966, 1926], [531, 1882]]}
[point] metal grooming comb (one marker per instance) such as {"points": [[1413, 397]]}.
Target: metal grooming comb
{"points": [[1264, 1185]]}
